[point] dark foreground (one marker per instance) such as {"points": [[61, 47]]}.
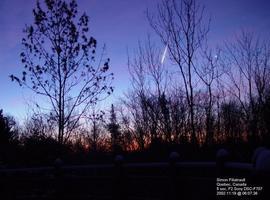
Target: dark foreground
{"points": [[145, 181]]}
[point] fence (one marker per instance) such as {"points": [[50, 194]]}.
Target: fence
{"points": [[174, 179]]}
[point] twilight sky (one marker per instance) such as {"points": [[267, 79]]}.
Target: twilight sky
{"points": [[119, 24]]}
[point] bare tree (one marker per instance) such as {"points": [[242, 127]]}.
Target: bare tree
{"points": [[247, 60], [148, 97], [231, 122], [136, 118], [95, 122], [180, 25], [38, 125], [208, 72], [60, 65]]}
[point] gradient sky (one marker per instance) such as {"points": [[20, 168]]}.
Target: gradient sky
{"points": [[119, 24]]}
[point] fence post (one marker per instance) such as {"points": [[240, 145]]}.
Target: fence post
{"points": [[261, 173], [256, 154], [173, 158], [222, 157], [58, 175], [119, 189]]}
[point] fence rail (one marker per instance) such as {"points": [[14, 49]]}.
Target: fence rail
{"points": [[120, 180]]}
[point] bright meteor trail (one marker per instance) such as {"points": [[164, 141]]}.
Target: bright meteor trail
{"points": [[164, 54]]}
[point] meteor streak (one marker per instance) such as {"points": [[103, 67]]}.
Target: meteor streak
{"points": [[164, 54]]}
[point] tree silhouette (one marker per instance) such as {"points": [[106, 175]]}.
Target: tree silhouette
{"points": [[8, 136], [231, 120], [247, 60], [180, 26], [94, 137], [7, 129], [114, 129], [59, 63]]}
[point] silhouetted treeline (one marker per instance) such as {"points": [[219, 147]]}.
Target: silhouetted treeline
{"points": [[195, 93], [28, 145]]}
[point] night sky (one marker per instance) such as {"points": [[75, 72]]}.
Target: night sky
{"points": [[119, 24]]}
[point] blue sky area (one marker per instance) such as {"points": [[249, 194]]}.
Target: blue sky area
{"points": [[119, 24]]}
